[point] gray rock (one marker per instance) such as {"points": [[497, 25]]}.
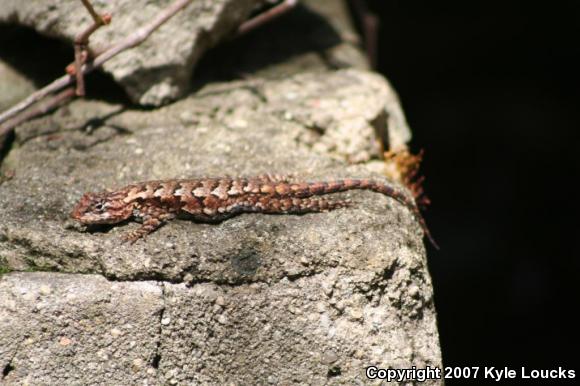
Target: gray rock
{"points": [[318, 329], [13, 86], [309, 299], [156, 71], [257, 299], [78, 329], [323, 328]]}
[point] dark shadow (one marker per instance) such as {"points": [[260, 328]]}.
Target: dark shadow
{"points": [[100, 85], [39, 58], [491, 94], [297, 32], [95, 123], [6, 145], [7, 370], [333, 372], [42, 60], [104, 228]]}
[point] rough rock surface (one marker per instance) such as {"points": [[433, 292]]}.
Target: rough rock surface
{"points": [[13, 86], [308, 125], [307, 298], [78, 329], [257, 299], [159, 69]]}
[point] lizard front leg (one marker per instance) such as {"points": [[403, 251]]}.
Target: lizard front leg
{"points": [[153, 217]]}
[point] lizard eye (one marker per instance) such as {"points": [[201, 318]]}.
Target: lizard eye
{"points": [[100, 206]]}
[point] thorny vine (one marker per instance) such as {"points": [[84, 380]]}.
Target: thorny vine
{"points": [[86, 61]]}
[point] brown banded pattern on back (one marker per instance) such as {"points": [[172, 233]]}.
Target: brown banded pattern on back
{"points": [[218, 198]]}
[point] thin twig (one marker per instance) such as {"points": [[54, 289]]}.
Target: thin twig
{"points": [[36, 96], [130, 41], [82, 42], [86, 54], [81, 51], [266, 16], [96, 17], [40, 109], [80, 89], [138, 36], [83, 37]]}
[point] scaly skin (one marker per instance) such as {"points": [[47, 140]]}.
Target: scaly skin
{"points": [[216, 199]]}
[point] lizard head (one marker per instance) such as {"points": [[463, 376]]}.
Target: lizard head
{"points": [[101, 208]]}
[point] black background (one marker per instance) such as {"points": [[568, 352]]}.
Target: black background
{"points": [[491, 91]]}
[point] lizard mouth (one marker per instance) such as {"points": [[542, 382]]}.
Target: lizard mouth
{"points": [[89, 218]]}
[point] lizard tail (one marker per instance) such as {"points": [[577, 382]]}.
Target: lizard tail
{"points": [[318, 188]]}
